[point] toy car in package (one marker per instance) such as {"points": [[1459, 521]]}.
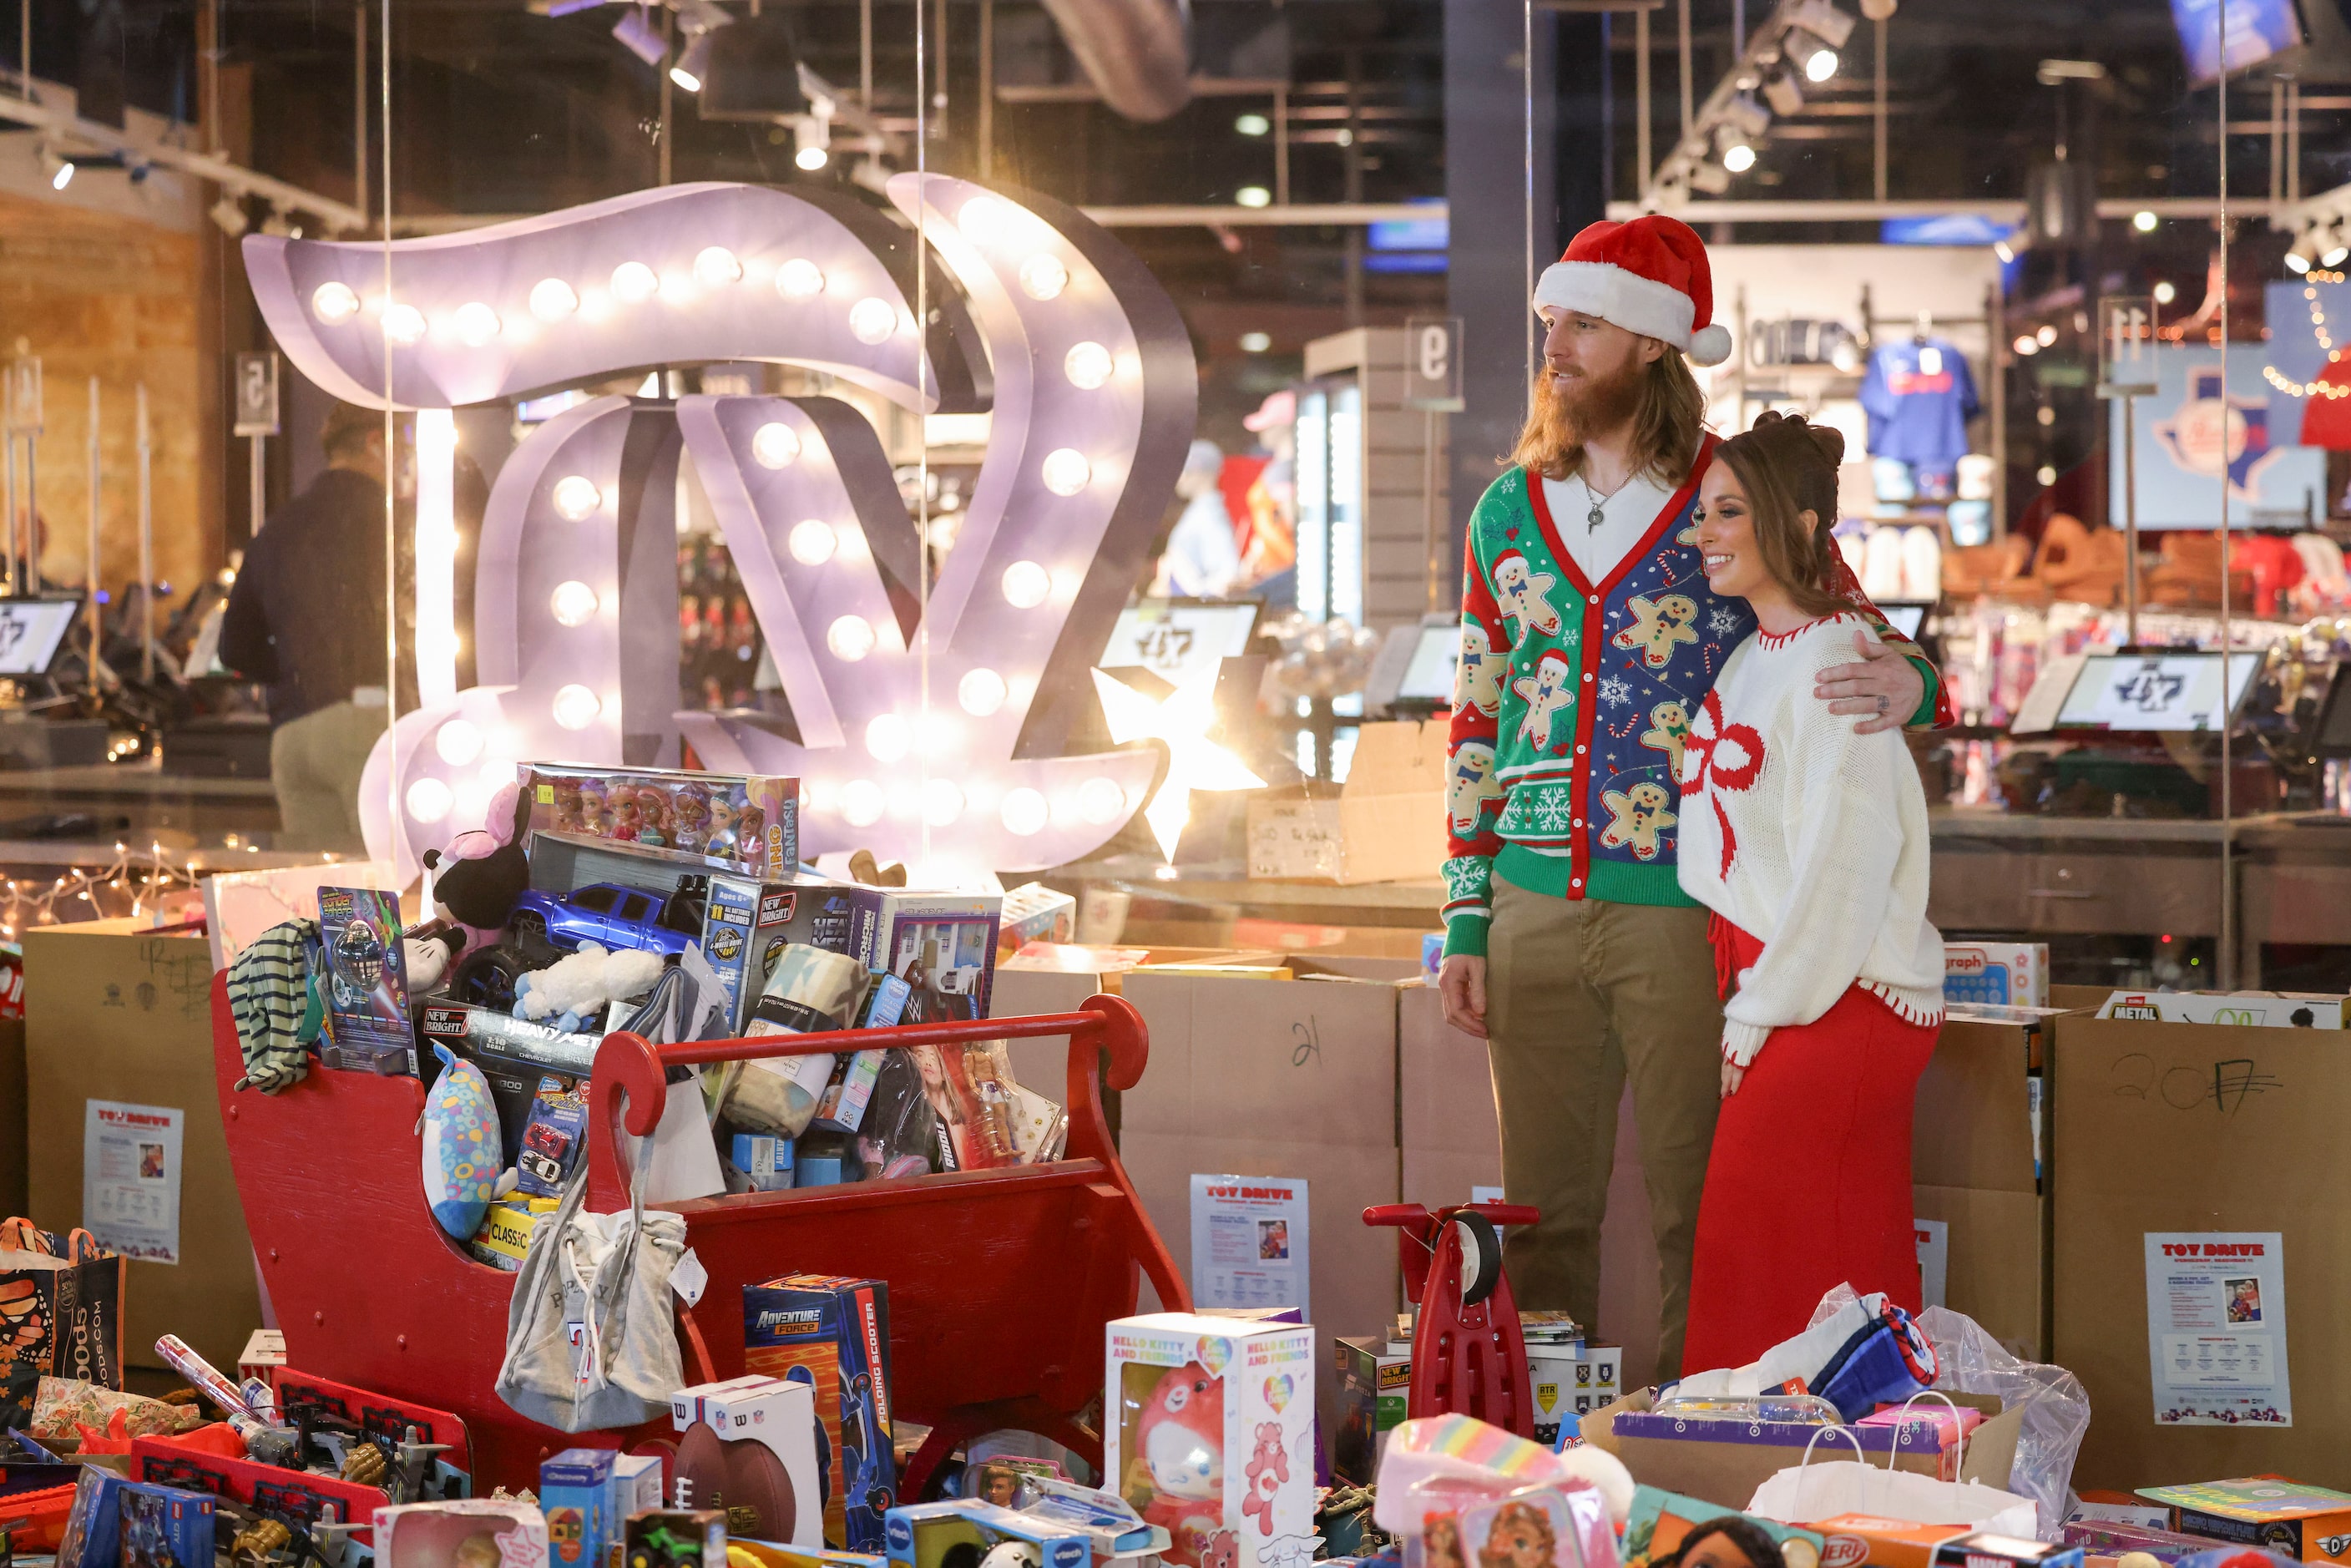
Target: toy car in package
{"points": [[725, 820]]}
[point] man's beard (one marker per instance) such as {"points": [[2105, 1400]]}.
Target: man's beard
{"points": [[1583, 407]]}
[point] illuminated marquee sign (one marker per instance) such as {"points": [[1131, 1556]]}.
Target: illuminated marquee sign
{"points": [[1036, 315]]}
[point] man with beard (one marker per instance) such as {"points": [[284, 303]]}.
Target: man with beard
{"points": [[1589, 641]]}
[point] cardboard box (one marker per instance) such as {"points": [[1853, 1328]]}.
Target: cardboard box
{"points": [[1855, 1539], [2309, 1523], [575, 1492], [1373, 1384], [928, 1535], [1232, 1389], [1660, 1521], [836, 1333], [2199, 1127], [1387, 824], [749, 921], [714, 820], [780, 1417], [112, 1012], [943, 945], [1976, 1165], [1725, 1463]]}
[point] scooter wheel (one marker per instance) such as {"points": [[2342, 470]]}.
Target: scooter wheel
{"points": [[1481, 1255]]}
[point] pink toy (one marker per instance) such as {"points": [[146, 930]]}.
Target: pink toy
{"points": [[1180, 1445], [1269, 1467]]}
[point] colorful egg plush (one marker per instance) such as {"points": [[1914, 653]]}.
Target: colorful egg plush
{"points": [[463, 1149]]}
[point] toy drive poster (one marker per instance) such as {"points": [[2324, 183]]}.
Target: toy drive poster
{"points": [[2216, 1330], [367, 992]]}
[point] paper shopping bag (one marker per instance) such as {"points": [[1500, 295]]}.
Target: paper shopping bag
{"points": [[1804, 1493]]}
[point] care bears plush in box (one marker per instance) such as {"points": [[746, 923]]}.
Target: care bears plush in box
{"points": [[1211, 1435]]}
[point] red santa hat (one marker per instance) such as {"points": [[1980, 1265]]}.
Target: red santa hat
{"points": [[1649, 276]]}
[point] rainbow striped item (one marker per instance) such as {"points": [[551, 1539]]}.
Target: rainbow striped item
{"points": [[1437, 1449]]}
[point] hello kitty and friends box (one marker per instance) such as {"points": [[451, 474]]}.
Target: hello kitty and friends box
{"points": [[1211, 1435]]}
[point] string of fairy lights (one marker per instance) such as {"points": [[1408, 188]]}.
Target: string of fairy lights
{"points": [[135, 881], [2314, 388]]}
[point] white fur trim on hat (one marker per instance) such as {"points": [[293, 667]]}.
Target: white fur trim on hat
{"points": [[1635, 303]]}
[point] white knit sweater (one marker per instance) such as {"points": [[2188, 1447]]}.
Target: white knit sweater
{"points": [[1808, 836]]}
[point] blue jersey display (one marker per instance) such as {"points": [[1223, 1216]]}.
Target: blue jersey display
{"points": [[1919, 397]]}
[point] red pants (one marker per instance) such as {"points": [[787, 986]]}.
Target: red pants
{"points": [[1809, 1182]]}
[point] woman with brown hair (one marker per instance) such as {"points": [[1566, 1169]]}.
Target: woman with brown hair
{"points": [[1808, 844]]}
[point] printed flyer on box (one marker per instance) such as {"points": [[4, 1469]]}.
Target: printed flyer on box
{"points": [[131, 1178], [1249, 1242], [2216, 1329]]}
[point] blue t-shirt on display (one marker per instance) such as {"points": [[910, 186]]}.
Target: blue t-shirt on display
{"points": [[1919, 397]]}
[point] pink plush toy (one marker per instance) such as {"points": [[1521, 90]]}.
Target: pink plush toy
{"points": [[1179, 1440]]}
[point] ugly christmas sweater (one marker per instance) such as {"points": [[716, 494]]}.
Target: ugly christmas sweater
{"points": [[1809, 838], [1571, 701]]}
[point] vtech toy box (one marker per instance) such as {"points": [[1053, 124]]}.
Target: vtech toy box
{"points": [[1209, 1433], [837, 1331], [930, 1534]]}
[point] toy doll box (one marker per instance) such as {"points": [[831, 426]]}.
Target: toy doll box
{"points": [[1211, 1432], [1659, 1521], [929, 1534], [943, 945], [2310, 1523], [471, 1532], [719, 820]]}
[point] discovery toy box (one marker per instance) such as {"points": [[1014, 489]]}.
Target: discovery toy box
{"points": [[838, 1331], [1209, 1431], [575, 1492]]}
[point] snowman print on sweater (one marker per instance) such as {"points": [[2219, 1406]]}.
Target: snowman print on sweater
{"points": [[1636, 817], [1478, 680], [1657, 625], [1548, 693], [1524, 595]]}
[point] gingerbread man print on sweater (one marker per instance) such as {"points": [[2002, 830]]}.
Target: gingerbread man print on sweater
{"points": [[1470, 785], [1478, 680], [1549, 693], [1524, 595], [1657, 625], [1669, 728], [1635, 818]]}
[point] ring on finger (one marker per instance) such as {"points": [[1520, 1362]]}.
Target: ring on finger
{"points": [[1881, 707]]}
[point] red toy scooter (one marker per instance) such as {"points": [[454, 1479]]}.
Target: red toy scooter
{"points": [[1468, 1355]]}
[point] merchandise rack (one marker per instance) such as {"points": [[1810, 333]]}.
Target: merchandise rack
{"points": [[1000, 1282]]}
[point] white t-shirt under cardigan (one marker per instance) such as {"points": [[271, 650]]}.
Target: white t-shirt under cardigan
{"points": [[1808, 836]]}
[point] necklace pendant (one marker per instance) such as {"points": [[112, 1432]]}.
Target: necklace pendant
{"points": [[1593, 519]]}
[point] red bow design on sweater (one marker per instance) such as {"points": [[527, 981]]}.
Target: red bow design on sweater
{"points": [[1719, 755]]}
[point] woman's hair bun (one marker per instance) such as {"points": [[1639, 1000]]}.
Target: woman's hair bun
{"points": [[1825, 439]]}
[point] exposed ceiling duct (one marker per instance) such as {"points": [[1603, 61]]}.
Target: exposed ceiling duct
{"points": [[1137, 53]]}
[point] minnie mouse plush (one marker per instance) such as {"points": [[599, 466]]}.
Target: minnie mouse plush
{"points": [[482, 875]]}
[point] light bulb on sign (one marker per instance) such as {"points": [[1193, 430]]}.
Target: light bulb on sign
{"points": [[860, 802], [576, 707], [553, 299], [571, 603], [850, 638], [458, 742], [981, 692], [1100, 801], [1043, 278], [575, 497], [983, 220], [496, 775], [776, 445], [1025, 584], [871, 321], [887, 738], [404, 324], [942, 802], [634, 282], [715, 268], [334, 304], [812, 541], [429, 800], [1025, 812], [1088, 365], [1066, 471], [477, 323], [800, 279]]}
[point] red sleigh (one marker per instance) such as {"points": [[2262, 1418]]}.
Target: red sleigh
{"points": [[1001, 1280]]}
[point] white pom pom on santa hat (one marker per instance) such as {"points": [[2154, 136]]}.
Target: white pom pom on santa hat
{"points": [[1649, 276]]}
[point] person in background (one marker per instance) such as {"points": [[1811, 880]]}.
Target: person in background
{"points": [[306, 618], [1809, 843], [1203, 556]]}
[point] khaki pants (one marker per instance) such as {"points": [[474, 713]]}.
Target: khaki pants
{"points": [[315, 763], [1581, 996]]}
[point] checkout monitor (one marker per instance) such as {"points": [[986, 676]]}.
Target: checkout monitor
{"points": [[31, 633], [2142, 692], [1436, 655]]}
